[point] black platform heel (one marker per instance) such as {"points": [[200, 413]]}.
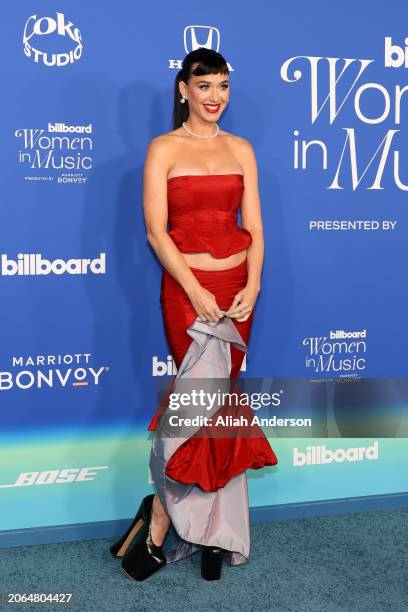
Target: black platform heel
{"points": [[119, 548], [211, 562], [143, 556]]}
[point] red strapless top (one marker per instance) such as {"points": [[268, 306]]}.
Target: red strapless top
{"points": [[203, 214]]}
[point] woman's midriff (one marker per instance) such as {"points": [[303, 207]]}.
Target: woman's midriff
{"points": [[205, 261]]}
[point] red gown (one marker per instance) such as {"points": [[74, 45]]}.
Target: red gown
{"points": [[203, 218]]}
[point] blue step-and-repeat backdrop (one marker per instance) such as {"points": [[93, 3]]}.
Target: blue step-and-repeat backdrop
{"points": [[321, 92]]}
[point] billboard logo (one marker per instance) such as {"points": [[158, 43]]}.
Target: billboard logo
{"points": [[394, 55], [63, 129], [320, 455], [169, 368], [61, 152], [340, 352], [57, 32], [33, 264]]}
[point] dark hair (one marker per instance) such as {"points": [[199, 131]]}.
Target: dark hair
{"points": [[209, 62]]}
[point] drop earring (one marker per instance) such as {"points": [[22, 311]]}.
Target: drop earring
{"points": [[183, 99]]}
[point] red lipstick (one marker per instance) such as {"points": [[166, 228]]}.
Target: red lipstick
{"points": [[212, 108]]}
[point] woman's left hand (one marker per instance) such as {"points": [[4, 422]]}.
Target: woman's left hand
{"points": [[243, 304]]}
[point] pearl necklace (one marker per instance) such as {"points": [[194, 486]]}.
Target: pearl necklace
{"points": [[197, 135]]}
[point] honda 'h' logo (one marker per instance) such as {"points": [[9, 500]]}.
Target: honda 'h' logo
{"points": [[190, 37]]}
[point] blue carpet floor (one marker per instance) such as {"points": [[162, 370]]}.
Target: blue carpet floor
{"points": [[349, 562]]}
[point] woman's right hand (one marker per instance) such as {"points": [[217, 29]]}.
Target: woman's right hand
{"points": [[205, 304]]}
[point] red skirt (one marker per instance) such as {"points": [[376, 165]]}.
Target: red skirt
{"points": [[209, 462]]}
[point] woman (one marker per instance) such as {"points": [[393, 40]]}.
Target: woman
{"points": [[196, 177]]}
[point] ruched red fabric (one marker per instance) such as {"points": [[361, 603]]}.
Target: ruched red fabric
{"points": [[210, 462], [202, 214]]}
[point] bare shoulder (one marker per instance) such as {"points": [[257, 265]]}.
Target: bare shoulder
{"points": [[160, 150], [162, 141], [169, 138], [241, 146]]}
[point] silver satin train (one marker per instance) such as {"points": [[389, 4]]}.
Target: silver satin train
{"points": [[219, 518]]}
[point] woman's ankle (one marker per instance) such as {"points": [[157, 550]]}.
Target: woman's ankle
{"points": [[160, 522]]}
